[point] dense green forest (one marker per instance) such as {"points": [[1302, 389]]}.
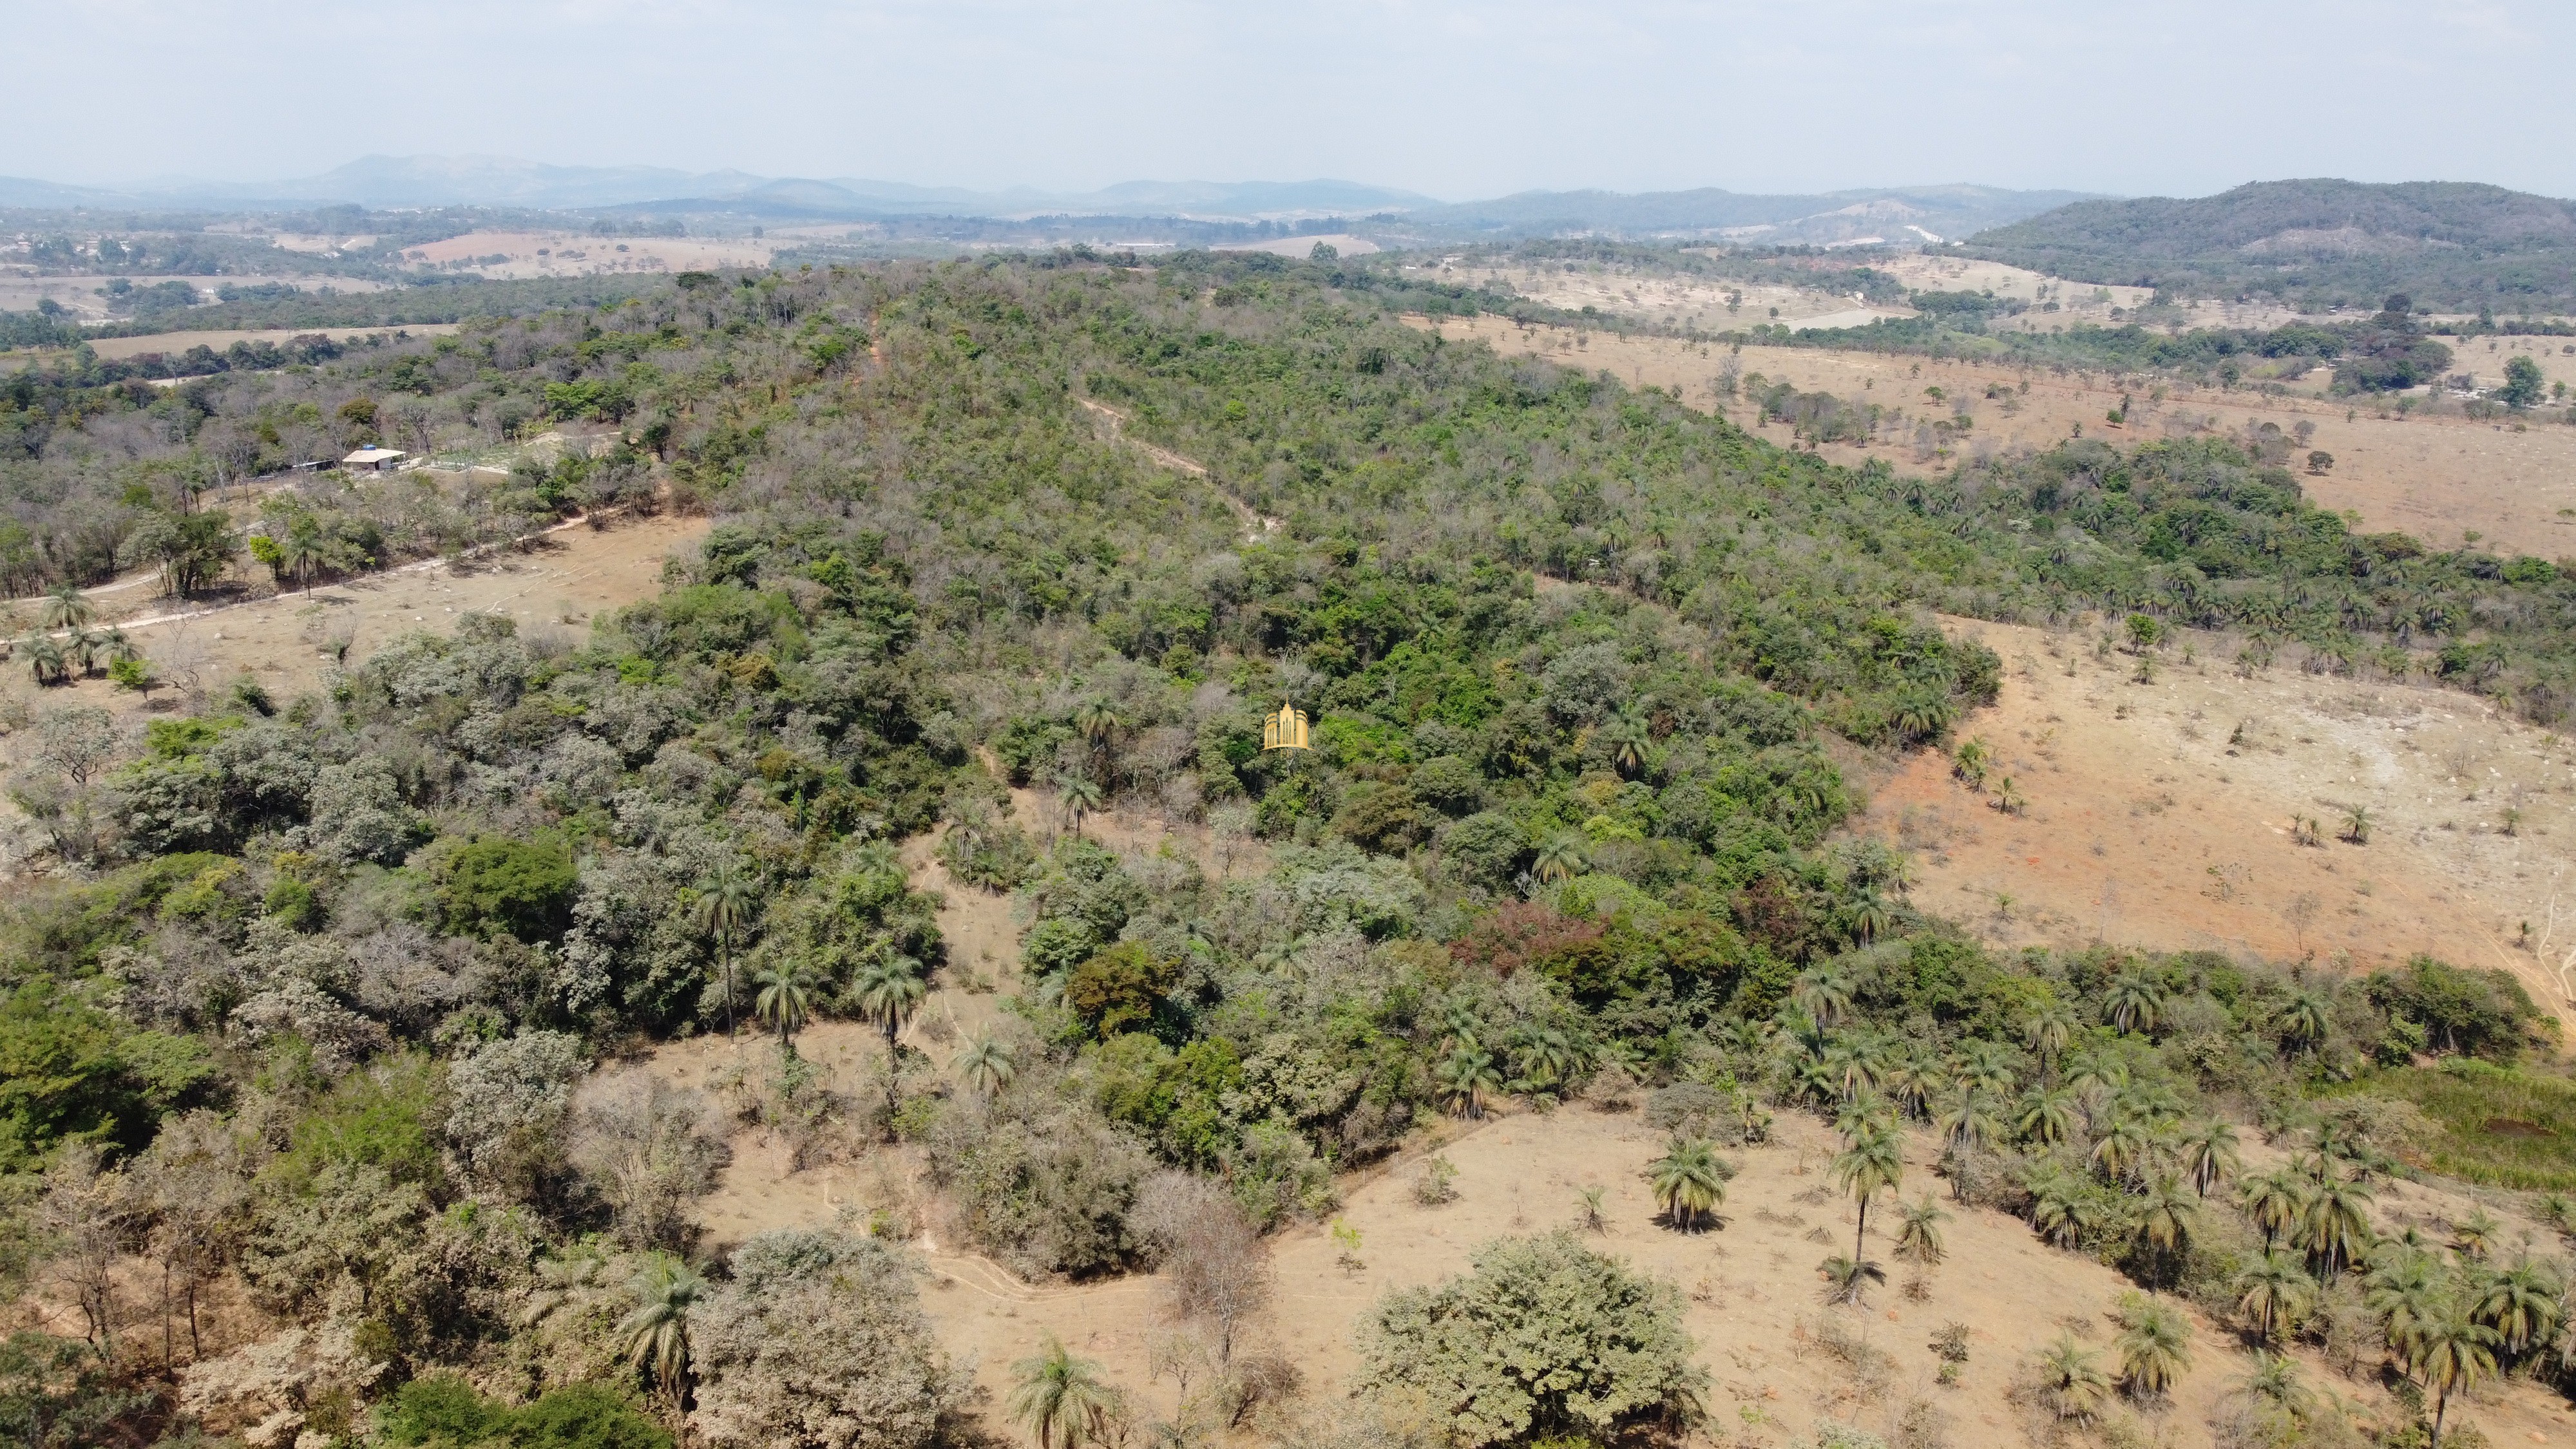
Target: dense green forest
{"points": [[308, 995]]}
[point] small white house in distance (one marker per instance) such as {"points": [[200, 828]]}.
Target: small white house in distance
{"points": [[373, 460]]}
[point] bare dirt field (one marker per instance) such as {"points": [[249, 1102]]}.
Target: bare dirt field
{"points": [[558, 581], [114, 347], [2163, 815], [1782, 1365], [572, 254], [2435, 477]]}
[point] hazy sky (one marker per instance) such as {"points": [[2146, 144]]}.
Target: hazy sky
{"points": [[1455, 99]]}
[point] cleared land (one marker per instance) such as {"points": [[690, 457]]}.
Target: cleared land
{"points": [[2434, 477], [2163, 815], [115, 347], [555, 582], [504, 254]]}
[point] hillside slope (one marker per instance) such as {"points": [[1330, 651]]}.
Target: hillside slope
{"points": [[2452, 245]]}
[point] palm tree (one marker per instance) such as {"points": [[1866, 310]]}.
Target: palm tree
{"points": [[2274, 1201], [2048, 1032], [1689, 1181], [1059, 1398], [1823, 992], [2071, 1379], [2474, 1235], [2356, 824], [2209, 1153], [656, 1333], [786, 997], [1547, 1057], [1099, 721], [66, 607], [1986, 1066], [2121, 1147], [2168, 1214], [1918, 1239], [45, 659], [1081, 797], [1561, 857], [2275, 1383], [2155, 1349], [2274, 1288], [1625, 740], [1846, 1279], [1875, 1160], [888, 990], [2338, 1222], [2047, 1118], [986, 1066], [1467, 1074], [726, 899], [1965, 1117], [2402, 1290], [2135, 1000], [2306, 1019], [2453, 1352], [2521, 1303]]}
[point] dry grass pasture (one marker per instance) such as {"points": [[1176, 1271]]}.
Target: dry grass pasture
{"points": [[2163, 815], [572, 254], [2434, 477], [555, 582], [116, 347]]}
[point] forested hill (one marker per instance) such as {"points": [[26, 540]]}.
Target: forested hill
{"points": [[2454, 246], [307, 999]]}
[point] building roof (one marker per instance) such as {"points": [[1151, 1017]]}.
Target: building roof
{"points": [[375, 455]]}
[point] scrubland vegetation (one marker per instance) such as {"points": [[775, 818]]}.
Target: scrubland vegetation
{"points": [[321, 1115]]}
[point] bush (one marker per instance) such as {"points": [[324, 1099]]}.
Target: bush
{"points": [[446, 1413], [819, 1340], [1044, 1185], [491, 883], [1544, 1338]]}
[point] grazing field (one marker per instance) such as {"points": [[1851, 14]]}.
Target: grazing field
{"points": [[2434, 477], [2511, 1128], [500, 254], [2163, 815]]}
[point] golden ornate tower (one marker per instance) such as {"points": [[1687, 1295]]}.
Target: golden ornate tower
{"points": [[1285, 730]]}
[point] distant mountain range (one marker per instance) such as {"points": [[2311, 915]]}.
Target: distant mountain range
{"points": [[2456, 246], [1900, 215], [387, 182]]}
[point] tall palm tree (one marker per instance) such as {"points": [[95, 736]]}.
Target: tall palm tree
{"points": [[2404, 1285], [2209, 1153], [2274, 1288], [2155, 1349], [2275, 1201], [2168, 1214], [1099, 721], [1561, 857], [66, 607], [1081, 797], [1689, 1181], [2047, 1033], [2047, 1117], [2122, 1147], [1967, 1117], [1875, 1161], [986, 1066], [1466, 1076], [2453, 1353], [2071, 1379], [2521, 1303], [2338, 1222], [726, 899], [656, 1332], [1059, 1398], [2135, 1001], [1987, 1066], [1625, 739], [888, 990], [786, 997], [1823, 992]]}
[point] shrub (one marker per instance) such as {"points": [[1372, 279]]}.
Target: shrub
{"points": [[819, 1340], [491, 883], [1594, 1350], [445, 1413]]}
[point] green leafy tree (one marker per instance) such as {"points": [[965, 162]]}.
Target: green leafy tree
{"points": [[2524, 384], [1595, 1350]]}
